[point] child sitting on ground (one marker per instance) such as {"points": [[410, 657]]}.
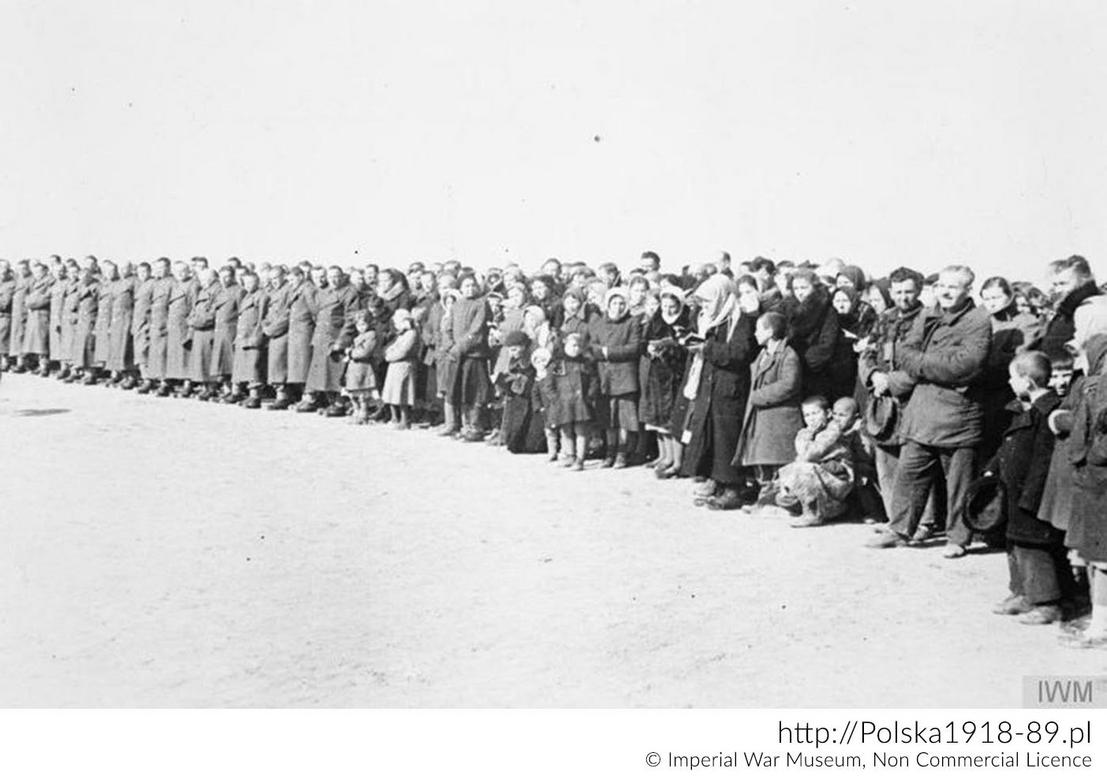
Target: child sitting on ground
{"points": [[361, 380], [865, 496], [817, 484]]}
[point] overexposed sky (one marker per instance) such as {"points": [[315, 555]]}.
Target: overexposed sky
{"points": [[886, 133]]}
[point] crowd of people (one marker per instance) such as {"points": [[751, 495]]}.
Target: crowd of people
{"points": [[812, 389]]}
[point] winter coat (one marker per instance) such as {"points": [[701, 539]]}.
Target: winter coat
{"points": [[70, 305], [274, 327], [201, 325], [1087, 453], [19, 314], [158, 354], [334, 332], [178, 353], [1012, 333], [84, 328], [301, 328], [140, 321], [941, 361], [884, 347], [772, 416], [814, 334], [36, 329], [568, 391], [363, 352], [103, 322], [1062, 327], [226, 323], [1022, 465], [120, 342], [57, 315], [720, 401], [249, 341], [617, 366], [660, 375], [467, 328]]}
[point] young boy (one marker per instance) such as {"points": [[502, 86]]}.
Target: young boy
{"points": [[821, 477], [1039, 573], [865, 495]]}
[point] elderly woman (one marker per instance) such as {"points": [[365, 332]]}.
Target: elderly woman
{"points": [[814, 333], [717, 382]]}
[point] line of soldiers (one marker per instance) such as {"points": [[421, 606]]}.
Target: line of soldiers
{"points": [[175, 327]]}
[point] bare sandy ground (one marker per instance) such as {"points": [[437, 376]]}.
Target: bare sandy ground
{"points": [[178, 553]]}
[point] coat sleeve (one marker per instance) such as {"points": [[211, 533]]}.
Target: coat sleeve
{"points": [[401, 348], [38, 299], [476, 330], [816, 449], [787, 385], [6, 298], [732, 354], [955, 365]]}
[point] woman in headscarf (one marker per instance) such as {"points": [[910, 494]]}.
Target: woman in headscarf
{"points": [[664, 368], [717, 382], [392, 288], [814, 334]]}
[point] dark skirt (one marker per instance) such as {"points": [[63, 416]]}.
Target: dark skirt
{"points": [[360, 376], [522, 426], [472, 386], [618, 411]]}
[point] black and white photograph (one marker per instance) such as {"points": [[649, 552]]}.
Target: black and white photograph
{"points": [[609, 355]]}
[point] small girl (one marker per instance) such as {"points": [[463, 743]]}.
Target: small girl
{"points": [[616, 346], [399, 383], [821, 478], [569, 388], [361, 380]]}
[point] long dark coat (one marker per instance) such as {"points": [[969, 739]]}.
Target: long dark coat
{"points": [[1022, 464], [36, 330], [178, 353], [7, 289], [1087, 453], [158, 356], [814, 334], [274, 328], [103, 322], [334, 332], [249, 340], [19, 314], [120, 350], [140, 321], [467, 334], [1062, 327], [57, 315], [226, 322], [70, 305], [301, 328], [660, 376], [716, 417], [773, 417], [201, 328], [569, 391], [84, 329]]}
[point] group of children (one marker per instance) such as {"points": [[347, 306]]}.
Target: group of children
{"points": [[702, 375]]}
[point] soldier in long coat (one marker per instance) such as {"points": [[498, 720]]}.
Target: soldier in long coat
{"points": [[334, 332], [36, 330], [274, 327], [109, 274], [120, 343], [70, 305], [301, 327], [158, 350], [182, 296], [57, 314], [201, 326], [226, 323], [84, 328], [249, 344], [19, 313], [7, 289]]}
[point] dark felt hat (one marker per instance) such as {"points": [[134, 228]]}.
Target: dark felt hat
{"points": [[516, 338], [985, 504], [880, 416]]}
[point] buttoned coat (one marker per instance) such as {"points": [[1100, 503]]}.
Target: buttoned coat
{"points": [[201, 326], [140, 321], [617, 371], [36, 330], [158, 356], [57, 316], [121, 344], [274, 332], [226, 323], [19, 314], [103, 322], [772, 417], [334, 332], [70, 305], [942, 360], [84, 329], [301, 328], [249, 340], [178, 348]]}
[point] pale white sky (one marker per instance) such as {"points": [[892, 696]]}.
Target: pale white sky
{"points": [[885, 132]]}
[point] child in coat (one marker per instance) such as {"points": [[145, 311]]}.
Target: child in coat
{"points": [[399, 383], [865, 495], [1036, 557], [616, 346], [570, 388], [820, 479], [361, 379], [515, 385]]}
